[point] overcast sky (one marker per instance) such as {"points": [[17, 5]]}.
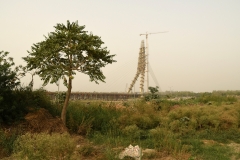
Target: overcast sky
{"points": [[201, 51]]}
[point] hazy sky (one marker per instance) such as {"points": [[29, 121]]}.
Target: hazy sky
{"points": [[201, 51]]}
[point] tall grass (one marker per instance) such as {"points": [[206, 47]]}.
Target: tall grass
{"points": [[7, 140], [207, 151], [44, 146], [84, 118], [204, 117], [216, 98], [164, 129], [167, 125]]}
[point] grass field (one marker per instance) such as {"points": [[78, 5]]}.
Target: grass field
{"points": [[202, 127]]}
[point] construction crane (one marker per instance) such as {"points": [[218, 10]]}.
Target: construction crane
{"points": [[147, 54]]}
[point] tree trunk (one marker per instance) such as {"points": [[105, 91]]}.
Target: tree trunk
{"points": [[64, 109]]}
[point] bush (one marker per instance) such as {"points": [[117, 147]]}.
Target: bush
{"points": [[6, 141], [153, 93], [218, 99], [164, 139], [131, 131], [12, 108], [15, 101], [44, 146], [8, 77], [8, 81], [19, 102], [83, 117]]}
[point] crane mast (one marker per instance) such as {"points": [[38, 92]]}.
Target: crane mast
{"points": [[147, 54], [143, 61]]}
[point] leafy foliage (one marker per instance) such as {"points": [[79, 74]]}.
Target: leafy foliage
{"points": [[8, 77], [8, 81], [153, 93], [67, 50], [7, 141], [18, 102]]}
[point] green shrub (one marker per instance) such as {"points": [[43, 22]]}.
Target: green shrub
{"points": [[164, 139], [60, 97], [92, 117], [7, 140], [44, 146], [153, 93], [131, 131], [218, 99], [19, 102], [221, 136], [11, 107], [8, 82], [144, 121], [86, 150], [109, 155]]}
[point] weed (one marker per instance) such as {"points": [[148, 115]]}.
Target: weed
{"points": [[86, 150], [109, 154], [7, 140], [177, 127], [91, 117], [44, 146], [216, 152]]}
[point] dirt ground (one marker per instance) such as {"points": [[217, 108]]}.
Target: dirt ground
{"points": [[43, 121]]}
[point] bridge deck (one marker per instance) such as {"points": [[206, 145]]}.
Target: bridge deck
{"points": [[97, 96]]}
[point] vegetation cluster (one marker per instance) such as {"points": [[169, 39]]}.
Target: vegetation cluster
{"points": [[178, 128]]}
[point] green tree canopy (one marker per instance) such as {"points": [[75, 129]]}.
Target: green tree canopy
{"points": [[9, 81], [67, 50], [8, 76]]}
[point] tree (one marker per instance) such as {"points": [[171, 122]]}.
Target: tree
{"points": [[153, 93], [153, 90], [8, 82], [67, 50], [8, 77]]}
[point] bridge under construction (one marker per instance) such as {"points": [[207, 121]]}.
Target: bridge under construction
{"points": [[97, 96], [142, 68]]}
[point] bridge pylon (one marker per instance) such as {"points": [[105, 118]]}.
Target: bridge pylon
{"points": [[140, 69]]}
